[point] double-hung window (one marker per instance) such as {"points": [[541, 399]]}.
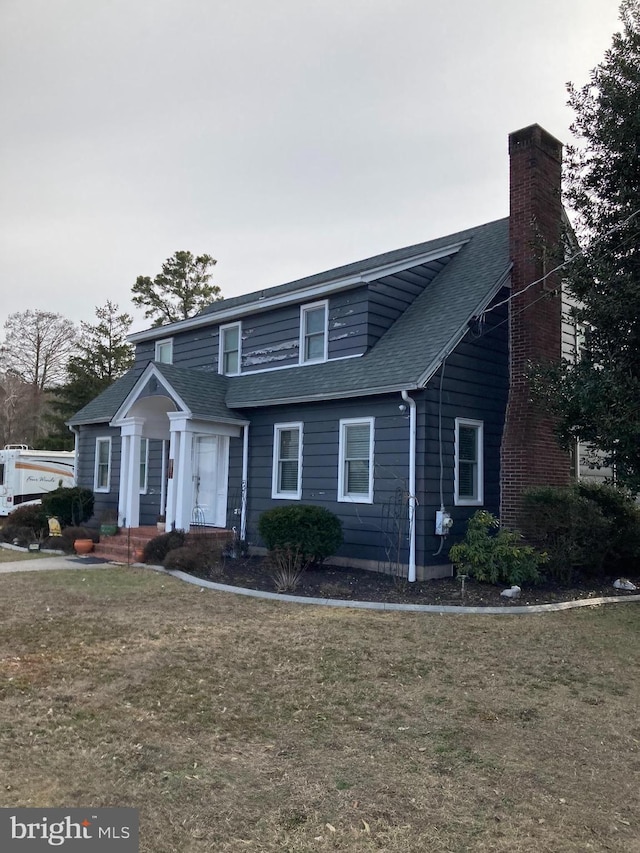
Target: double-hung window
{"points": [[164, 351], [469, 480], [102, 471], [355, 465], [230, 349], [313, 332], [287, 461]]}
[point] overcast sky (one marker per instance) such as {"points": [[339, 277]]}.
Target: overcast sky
{"points": [[283, 137]]}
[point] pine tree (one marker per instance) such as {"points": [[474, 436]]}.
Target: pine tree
{"points": [[103, 356], [181, 290]]}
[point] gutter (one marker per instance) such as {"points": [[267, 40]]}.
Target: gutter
{"points": [[411, 574], [245, 482]]}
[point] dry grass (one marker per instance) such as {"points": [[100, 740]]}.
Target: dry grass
{"points": [[243, 725], [7, 555]]}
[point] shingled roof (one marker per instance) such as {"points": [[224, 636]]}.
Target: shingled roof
{"points": [[404, 358]]}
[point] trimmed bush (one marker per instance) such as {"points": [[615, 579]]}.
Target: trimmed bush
{"points": [[156, 550], [201, 558], [585, 529], [312, 531], [69, 506], [31, 516], [623, 512], [495, 555]]}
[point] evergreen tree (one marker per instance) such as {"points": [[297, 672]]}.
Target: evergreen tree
{"points": [[596, 397], [181, 290], [103, 355]]}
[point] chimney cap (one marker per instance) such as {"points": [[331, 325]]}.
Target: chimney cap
{"points": [[534, 135]]}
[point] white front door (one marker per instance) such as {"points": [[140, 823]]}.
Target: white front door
{"points": [[210, 480]]}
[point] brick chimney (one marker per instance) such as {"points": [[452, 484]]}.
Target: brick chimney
{"points": [[530, 454]]}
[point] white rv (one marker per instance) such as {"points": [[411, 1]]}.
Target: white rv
{"points": [[26, 475]]}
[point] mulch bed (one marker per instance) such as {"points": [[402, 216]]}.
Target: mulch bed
{"points": [[356, 585]]}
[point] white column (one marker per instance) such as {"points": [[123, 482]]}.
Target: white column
{"points": [[174, 449], [123, 508], [131, 430], [180, 491], [184, 484]]}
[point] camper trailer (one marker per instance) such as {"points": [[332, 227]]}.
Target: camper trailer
{"points": [[26, 475]]}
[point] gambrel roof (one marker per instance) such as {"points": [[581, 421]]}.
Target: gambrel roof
{"points": [[405, 357]]}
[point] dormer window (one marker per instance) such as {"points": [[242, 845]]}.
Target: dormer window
{"points": [[230, 349], [164, 351], [313, 332]]}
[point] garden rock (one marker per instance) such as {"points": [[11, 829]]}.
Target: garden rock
{"points": [[623, 583], [513, 592]]}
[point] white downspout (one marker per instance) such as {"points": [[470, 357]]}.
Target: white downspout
{"points": [[245, 482], [411, 576]]}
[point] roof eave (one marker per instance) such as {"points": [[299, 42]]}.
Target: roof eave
{"points": [[305, 293]]}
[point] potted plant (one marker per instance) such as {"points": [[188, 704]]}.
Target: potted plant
{"points": [[161, 523], [109, 522], [83, 546]]}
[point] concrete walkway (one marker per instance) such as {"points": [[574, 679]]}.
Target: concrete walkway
{"points": [[40, 564]]}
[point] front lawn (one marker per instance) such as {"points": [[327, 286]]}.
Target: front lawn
{"points": [[8, 555], [235, 724]]}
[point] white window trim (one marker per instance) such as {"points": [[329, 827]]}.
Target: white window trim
{"points": [[144, 486], [304, 310], [221, 331], [107, 488], [160, 344], [479, 427], [342, 497], [275, 493]]}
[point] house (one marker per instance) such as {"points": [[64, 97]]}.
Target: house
{"points": [[391, 391]]}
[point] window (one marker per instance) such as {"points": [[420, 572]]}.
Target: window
{"points": [[102, 474], [469, 486], [144, 465], [230, 343], [355, 471], [287, 461], [164, 351], [1, 473], [313, 332]]}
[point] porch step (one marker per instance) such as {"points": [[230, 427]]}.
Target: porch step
{"points": [[122, 547], [126, 546]]}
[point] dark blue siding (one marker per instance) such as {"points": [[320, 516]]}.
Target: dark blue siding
{"points": [[85, 465], [367, 530], [475, 386]]}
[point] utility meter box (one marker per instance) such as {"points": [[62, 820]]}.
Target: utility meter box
{"points": [[444, 523]]}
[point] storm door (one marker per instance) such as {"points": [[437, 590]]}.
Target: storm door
{"points": [[210, 480]]}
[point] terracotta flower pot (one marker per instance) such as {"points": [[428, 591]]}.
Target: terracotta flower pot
{"points": [[83, 546], [138, 554]]}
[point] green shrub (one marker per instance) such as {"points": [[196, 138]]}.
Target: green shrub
{"points": [[156, 550], [621, 509], [203, 558], [312, 531], [491, 553], [69, 506], [576, 526]]}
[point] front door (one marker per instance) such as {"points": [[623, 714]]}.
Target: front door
{"points": [[209, 480]]}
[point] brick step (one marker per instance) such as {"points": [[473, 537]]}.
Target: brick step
{"points": [[122, 547]]}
